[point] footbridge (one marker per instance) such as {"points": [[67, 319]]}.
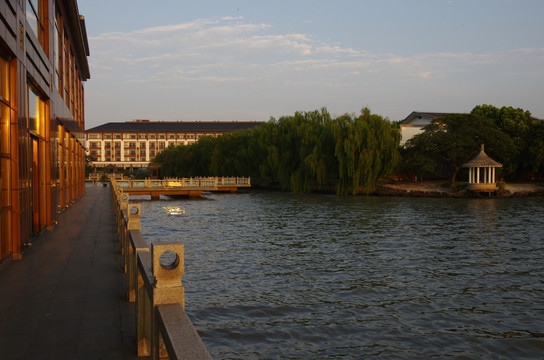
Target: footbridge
{"points": [[190, 187]]}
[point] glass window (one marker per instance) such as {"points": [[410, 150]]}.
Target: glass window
{"points": [[35, 112], [59, 51], [36, 18], [32, 15]]}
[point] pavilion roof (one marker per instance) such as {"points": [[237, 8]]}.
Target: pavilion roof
{"points": [[482, 160]]}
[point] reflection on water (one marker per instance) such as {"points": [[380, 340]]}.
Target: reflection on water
{"points": [[285, 276]]}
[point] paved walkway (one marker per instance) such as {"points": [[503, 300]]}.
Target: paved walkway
{"points": [[65, 299]]}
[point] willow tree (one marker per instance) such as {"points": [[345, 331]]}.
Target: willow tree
{"points": [[302, 152], [366, 149]]}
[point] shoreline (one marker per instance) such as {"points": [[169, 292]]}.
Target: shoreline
{"points": [[436, 189]]}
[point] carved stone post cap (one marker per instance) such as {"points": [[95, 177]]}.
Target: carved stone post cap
{"points": [[167, 263], [134, 211]]}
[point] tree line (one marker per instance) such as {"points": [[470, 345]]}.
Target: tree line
{"points": [[303, 152], [511, 136], [351, 153]]}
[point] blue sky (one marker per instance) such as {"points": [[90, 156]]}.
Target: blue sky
{"points": [[171, 60]]}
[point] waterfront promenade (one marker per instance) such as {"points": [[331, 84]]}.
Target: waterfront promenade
{"points": [[66, 298]]}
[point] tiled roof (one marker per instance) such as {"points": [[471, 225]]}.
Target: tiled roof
{"points": [[482, 160], [419, 114], [174, 127]]}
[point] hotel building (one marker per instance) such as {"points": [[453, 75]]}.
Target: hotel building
{"points": [[43, 65], [134, 144]]}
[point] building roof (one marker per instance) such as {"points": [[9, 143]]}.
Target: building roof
{"points": [[482, 160], [419, 114], [146, 126]]}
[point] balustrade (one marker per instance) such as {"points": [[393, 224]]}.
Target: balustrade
{"points": [[153, 276]]}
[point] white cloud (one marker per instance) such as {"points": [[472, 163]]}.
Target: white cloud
{"points": [[243, 61]]}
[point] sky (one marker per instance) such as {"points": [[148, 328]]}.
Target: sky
{"points": [[250, 60]]}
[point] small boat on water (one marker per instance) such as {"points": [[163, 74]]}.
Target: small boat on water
{"points": [[174, 210]]}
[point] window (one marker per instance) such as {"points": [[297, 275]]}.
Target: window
{"points": [[107, 136], [35, 15], [5, 239], [181, 136], [142, 136], [66, 77], [162, 136], [94, 136], [152, 136], [35, 113], [117, 136], [171, 136], [58, 48]]}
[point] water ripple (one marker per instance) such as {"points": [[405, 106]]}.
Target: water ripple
{"points": [[286, 276]]}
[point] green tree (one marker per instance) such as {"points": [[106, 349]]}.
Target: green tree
{"points": [[366, 149], [453, 140], [533, 156], [300, 152]]}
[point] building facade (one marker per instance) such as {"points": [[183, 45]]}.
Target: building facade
{"points": [[134, 144], [43, 65], [413, 124]]}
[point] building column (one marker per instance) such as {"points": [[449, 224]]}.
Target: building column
{"points": [[122, 150]]}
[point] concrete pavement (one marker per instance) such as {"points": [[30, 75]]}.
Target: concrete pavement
{"points": [[65, 299]]}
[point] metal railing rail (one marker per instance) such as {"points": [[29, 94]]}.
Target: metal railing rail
{"points": [[153, 277]]}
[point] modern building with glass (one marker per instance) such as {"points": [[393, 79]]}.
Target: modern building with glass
{"points": [[43, 66]]}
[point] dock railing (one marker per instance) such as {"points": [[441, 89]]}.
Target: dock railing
{"points": [[153, 278]]}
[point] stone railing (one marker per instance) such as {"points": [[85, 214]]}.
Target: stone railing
{"points": [[153, 278], [200, 182]]}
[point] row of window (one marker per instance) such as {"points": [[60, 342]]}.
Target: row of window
{"points": [[67, 79], [147, 136], [133, 145]]}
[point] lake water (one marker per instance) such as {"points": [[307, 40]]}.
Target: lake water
{"points": [[271, 275]]}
